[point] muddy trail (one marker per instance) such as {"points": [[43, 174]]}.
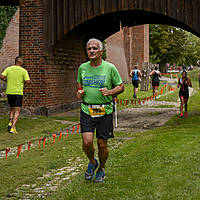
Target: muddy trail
{"points": [[140, 119]]}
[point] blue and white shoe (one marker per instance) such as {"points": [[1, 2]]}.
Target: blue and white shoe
{"points": [[91, 171], [100, 176]]}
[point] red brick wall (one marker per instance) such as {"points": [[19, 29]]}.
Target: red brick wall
{"points": [[136, 42], [127, 48], [10, 48], [53, 77], [115, 53]]}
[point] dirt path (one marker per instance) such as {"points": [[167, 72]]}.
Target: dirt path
{"points": [[144, 118], [140, 119]]}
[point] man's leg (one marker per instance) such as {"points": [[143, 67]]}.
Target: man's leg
{"points": [[135, 91], [89, 150], [156, 91], [16, 116], [88, 146], [103, 152], [11, 114]]}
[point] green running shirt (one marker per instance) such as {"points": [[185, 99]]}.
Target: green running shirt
{"points": [[16, 76], [92, 79]]}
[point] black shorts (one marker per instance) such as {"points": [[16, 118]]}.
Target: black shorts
{"points": [[155, 83], [185, 95], [135, 83], [15, 100], [103, 125]]}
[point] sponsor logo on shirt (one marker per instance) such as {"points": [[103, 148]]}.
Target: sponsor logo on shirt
{"points": [[94, 81]]}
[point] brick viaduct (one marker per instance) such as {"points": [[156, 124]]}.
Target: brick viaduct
{"points": [[53, 34]]}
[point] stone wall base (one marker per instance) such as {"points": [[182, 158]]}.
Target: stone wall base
{"points": [[47, 111]]}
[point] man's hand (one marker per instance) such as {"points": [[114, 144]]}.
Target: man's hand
{"points": [[3, 78], [105, 92], [80, 93]]}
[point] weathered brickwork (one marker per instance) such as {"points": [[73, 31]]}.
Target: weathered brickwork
{"points": [[53, 75], [115, 53], [54, 72], [128, 47], [136, 43]]}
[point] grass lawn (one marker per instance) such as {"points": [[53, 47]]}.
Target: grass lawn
{"points": [[30, 128], [160, 164]]}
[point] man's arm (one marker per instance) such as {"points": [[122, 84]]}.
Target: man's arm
{"points": [[2, 77], [113, 92], [80, 91], [131, 74], [140, 73], [27, 81]]}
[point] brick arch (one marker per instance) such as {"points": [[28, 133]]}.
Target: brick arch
{"points": [[53, 35]]}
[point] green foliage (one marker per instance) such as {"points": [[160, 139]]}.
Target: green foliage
{"points": [[167, 44], [6, 13], [191, 49]]}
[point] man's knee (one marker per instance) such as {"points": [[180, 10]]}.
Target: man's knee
{"points": [[87, 139], [87, 143], [102, 144]]}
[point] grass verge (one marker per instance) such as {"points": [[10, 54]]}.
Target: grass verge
{"points": [[30, 128]]}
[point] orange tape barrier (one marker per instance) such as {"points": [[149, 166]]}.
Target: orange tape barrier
{"points": [[7, 150], [163, 89], [71, 130]]}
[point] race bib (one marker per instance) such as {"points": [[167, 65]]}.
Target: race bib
{"points": [[97, 110]]}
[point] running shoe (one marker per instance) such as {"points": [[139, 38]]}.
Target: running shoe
{"points": [[13, 130], [100, 176], [181, 115], [91, 171], [186, 114], [9, 126]]}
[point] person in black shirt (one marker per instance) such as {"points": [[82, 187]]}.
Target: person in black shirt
{"points": [[155, 75], [184, 82]]}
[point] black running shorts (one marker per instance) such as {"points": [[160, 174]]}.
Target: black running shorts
{"points": [[155, 83], [103, 125], [185, 95], [15, 100], [135, 83]]}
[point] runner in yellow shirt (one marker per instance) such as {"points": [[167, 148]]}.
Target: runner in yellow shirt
{"points": [[15, 76]]}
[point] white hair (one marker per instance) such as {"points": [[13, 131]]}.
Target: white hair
{"points": [[99, 42]]}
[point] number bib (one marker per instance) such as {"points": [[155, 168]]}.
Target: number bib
{"points": [[97, 110]]}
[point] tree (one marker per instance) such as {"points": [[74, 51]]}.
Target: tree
{"points": [[191, 50], [166, 44], [6, 13]]}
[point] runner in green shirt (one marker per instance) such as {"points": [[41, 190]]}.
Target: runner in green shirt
{"points": [[15, 76], [97, 82]]}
